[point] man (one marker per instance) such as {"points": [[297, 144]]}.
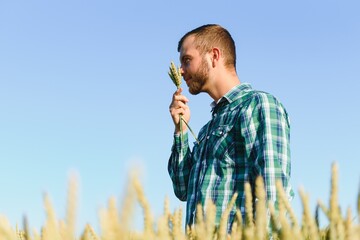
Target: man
{"points": [[246, 137]]}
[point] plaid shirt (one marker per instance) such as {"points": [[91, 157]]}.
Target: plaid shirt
{"points": [[247, 136]]}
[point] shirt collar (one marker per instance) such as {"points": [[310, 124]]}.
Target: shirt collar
{"points": [[235, 93]]}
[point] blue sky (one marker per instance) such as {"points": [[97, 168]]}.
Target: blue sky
{"points": [[84, 88]]}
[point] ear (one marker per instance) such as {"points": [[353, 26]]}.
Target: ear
{"points": [[215, 56]]}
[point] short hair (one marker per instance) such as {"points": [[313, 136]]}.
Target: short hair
{"points": [[213, 35]]}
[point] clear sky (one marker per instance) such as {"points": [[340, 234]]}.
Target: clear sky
{"points": [[84, 88]]}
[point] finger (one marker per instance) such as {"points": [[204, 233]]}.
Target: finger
{"points": [[175, 113], [181, 105], [178, 91], [181, 98], [177, 105]]}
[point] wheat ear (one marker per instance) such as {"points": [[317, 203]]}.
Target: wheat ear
{"points": [[71, 207], [222, 233], [309, 226], [261, 215], [249, 216]]}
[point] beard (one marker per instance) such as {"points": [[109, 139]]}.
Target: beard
{"points": [[199, 78]]}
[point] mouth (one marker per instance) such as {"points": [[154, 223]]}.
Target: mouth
{"points": [[187, 79]]}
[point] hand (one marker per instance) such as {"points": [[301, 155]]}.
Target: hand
{"points": [[178, 106]]}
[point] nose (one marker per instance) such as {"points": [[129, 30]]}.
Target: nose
{"points": [[182, 70]]}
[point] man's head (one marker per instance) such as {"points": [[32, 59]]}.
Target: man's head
{"points": [[209, 36]]}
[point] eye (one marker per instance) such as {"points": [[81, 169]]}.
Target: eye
{"points": [[185, 60]]}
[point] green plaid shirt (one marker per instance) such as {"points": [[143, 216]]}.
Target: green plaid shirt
{"points": [[247, 136]]}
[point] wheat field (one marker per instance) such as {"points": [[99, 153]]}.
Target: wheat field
{"points": [[115, 221]]}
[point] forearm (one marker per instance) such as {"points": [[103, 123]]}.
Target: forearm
{"points": [[179, 165]]}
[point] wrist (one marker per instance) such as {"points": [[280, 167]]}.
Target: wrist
{"points": [[178, 131]]}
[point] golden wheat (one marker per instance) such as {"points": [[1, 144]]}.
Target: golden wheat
{"points": [[115, 224]]}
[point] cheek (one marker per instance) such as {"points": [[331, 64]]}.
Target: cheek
{"points": [[189, 70], [192, 69]]}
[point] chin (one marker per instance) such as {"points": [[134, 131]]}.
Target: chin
{"points": [[194, 91]]}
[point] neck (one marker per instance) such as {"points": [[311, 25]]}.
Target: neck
{"points": [[222, 84]]}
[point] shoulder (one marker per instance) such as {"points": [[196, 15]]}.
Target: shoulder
{"points": [[267, 104], [263, 99]]}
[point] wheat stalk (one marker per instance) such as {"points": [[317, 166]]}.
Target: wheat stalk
{"points": [[175, 75], [309, 226], [26, 228], [177, 224], [222, 233], [249, 216], [148, 219], [334, 207], [236, 231], [210, 217], [261, 215], [170, 225], [6, 231], [292, 229], [50, 229], [71, 207]]}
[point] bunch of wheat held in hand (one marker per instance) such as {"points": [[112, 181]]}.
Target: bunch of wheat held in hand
{"points": [[175, 75]]}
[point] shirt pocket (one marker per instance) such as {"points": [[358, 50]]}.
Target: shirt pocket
{"points": [[222, 145]]}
